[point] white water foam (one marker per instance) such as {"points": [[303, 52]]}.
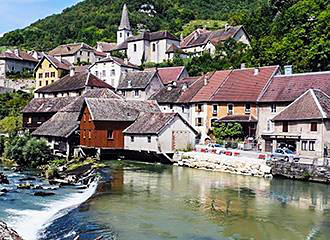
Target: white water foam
{"points": [[28, 223]]}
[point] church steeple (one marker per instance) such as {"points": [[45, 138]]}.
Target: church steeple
{"points": [[124, 29], [124, 23]]}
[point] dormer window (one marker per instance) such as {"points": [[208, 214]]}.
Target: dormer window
{"points": [[230, 109]]}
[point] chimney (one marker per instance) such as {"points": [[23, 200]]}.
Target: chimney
{"points": [[184, 87], [205, 80], [16, 51], [174, 84], [129, 83], [288, 69], [196, 34], [108, 54], [126, 61], [256, 71], [243, 66], [226, 27], [71, 71], [169, 87]]}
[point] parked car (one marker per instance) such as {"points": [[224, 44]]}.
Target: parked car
{"points": [[284, 154]]}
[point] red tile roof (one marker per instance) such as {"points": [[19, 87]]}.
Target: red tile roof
{"points": [[287, 88], [313, 104], [243, 85], [170, 74], [20, 55], [215, 80]]}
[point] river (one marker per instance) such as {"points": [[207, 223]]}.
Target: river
{"points": [[153, 201]]}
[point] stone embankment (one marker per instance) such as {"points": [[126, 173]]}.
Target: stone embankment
{"points": [[7, 233], [300, 171], [223, 163]]}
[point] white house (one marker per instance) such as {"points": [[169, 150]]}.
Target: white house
{"points": [[159, 132], [16, 61], [112, 69], [139, 85]]}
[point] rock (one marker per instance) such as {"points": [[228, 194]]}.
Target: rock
{"points": [[4, 190], [25, 186], [8, 233], [43, 194], [27, 179], [3, 179]]}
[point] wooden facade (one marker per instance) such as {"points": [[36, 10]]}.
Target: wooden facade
{"points": [[31, 121], [99, 134]]}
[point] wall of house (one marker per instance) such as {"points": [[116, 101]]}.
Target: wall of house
{"points": [[11, 65], [47, 68], [159, 55], [326, 136], [154, 86], [122, 35], [130, 94], [32, 121], [242, 37], [203, 115], [83, 55], [95, 134], [142, 47], [182, 109], [2, 68], [140, 143]]}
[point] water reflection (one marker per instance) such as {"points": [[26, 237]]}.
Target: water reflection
{"points": [[157, 202]]}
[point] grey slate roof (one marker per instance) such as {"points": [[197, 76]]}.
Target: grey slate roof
{"points": [[47, 105], [137, 80], [119, 61], [124, 22], [153, 36], [71, 83], [102, 109], [152, 123]]}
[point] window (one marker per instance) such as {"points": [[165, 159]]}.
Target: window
{"points": [[29, 120], [84, 134], [104, 73], [90, 134], [81, 53], [285, 127], [128, 34], [136, 93], [120, 34], [215, 110], [304, 145], [273, 108], [314, 127], [311, 145], [132, 138], [199, 122], [46, 83], [182, 109], [96, 73], [247, 108], [113, 72], [85, 117], [88, 54], [110, 134], [47, 75], [149, 139], [199, 108], [124, 93], [154, 47], [52, 74], [50, 65], [230, 109], [171, 106], [78, 59], [40, 75], [40, 83], [135, 47], [269, 126]]}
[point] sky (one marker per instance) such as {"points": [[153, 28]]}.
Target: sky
{"points": [[16, 14]]}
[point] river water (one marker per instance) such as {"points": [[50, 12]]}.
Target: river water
{"points": [[152, 201]]}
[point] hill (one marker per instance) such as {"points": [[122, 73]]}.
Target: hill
{"points": [[97, 20]]}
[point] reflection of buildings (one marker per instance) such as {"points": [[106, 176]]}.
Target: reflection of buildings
{"points": [[117, 183]]}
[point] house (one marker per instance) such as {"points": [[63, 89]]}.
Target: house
{"points": [[305, 125], [105, 47], [39, 110], [175, 97], [159, 132], [139, 85], [16, 61], [71, 85], [146, 46], [202, 40], [76, 53], [176, 51], [62, 129], [281, 91], [112, 69], [172, 74], [230, 96], [49, 69], [102, 121]]}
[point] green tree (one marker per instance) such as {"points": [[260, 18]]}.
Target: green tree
{"points": [[11, 124], [226, 131]]}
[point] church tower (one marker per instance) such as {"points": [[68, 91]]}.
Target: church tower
{"points": [[124, 30]]}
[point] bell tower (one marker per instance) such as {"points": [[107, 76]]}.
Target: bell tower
{"points": [[124, 29]]}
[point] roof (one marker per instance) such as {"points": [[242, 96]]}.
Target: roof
{"points": [[18, 55], [63, 64], [202, 37], [101, 54], [119, 61], [214, 81], [124, 22], [76, 82], [47, 105], [120, 46], [243, 85], [313, 104], [153, 123], [287, 88], [238, 118], [106, 47], [136, 80], [175, 49], [70, 49], [66, 121], [153, 36], [102, 109], [170, 74]]}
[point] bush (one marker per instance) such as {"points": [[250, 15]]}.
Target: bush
{"points": [[27, 151]]}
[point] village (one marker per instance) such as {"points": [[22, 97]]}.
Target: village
{"points": [[89, 101]]}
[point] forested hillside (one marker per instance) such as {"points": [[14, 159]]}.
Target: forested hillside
{"points": [[282, 31]]}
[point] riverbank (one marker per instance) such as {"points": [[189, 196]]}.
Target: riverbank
{"points": [[223, 163]]}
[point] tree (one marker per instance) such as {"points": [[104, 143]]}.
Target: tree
{"points": [[11, 124], [224, 131]]}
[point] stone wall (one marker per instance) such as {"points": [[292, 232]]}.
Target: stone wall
{"points": [[306, 172], [18, 84]]}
